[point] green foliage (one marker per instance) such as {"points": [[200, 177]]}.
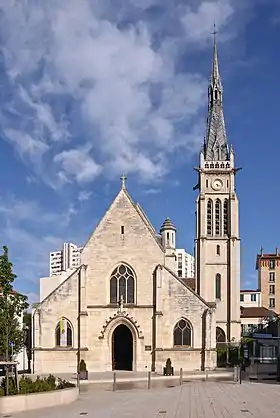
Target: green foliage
{"points": [[12, 306], [12, 386], [27, 385], [83, 366], [232, 354], [246, 340]]}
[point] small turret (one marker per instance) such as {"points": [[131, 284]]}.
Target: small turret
{"points": [[168, 234]]}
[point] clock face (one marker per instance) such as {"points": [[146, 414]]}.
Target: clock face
{"points": [[217, 184]]}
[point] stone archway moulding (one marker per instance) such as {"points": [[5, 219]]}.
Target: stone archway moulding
{"points": [[118, 316]]}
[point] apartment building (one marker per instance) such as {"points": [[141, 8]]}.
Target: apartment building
{"points": [[185, 264], [67, 258], [250, 298], [268, 267]]}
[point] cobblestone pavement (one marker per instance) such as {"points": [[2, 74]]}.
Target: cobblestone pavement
{"points": [[191, 400]]}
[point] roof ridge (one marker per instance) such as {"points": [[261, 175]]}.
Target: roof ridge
{"points": [[144, 218]]}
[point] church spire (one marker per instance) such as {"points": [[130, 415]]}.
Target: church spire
{"points": [[215, 144]]}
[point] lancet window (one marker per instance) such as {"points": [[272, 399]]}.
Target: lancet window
{"points": [[64, 333], [226, 214], [209, 217], [122, 285], [218, 217], [182, 333]]}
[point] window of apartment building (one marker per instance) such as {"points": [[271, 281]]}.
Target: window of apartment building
{"points": [[272, 264], [253, 297], [179, 273], [218, 250], [272, 289], [272, 302], [180, 260], [241, 298], [272, 276]]}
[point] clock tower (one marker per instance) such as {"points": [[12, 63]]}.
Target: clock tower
{"points": [[217, 243]]}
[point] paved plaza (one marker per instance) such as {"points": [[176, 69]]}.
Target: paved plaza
{"points": [[191, 400]]}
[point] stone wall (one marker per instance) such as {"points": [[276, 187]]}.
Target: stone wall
{"points": [[125, 236]]}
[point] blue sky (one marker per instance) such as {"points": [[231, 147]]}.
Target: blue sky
{"points": [[92, 89]]}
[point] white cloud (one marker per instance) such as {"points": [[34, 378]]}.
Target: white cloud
{"points": [[77, 163], [199, 21], [80, 75], [25, 145], [17, 211], [84, 195], [152, 191], [31, 232]]}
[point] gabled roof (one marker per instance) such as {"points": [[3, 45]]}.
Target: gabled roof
{"points": [[250, 291], [256, 312], [190, 282], [144, 218], [139, 211], [209, 304]]}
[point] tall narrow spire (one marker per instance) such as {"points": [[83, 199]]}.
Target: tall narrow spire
{"points": [[215, 146]]}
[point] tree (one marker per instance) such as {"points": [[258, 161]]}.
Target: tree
{"points": [[12, 306]]}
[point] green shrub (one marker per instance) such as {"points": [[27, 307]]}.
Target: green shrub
{"points": [[27, 385], [12, 386]]}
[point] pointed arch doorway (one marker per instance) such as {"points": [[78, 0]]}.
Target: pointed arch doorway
{"points": [[122, 348]]}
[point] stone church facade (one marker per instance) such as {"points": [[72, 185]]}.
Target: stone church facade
{"points": [[124, 307]]}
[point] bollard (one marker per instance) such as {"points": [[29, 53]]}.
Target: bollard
{"points": [[114, 382], [206, 375], [240, 374], [235, 374], [181, 376], [149, 380]]}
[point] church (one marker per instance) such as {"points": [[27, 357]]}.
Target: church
{"points": [[124, 307]]}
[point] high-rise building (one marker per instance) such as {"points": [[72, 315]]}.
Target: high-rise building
{"points": [[268, 266], [66, 259], [185, 264], [217, 243]]}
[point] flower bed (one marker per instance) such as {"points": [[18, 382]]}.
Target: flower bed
{"points": [[36, 394], [27, 385]]}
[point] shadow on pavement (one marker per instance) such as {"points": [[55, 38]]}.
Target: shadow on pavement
{"points": [[155, 384]]}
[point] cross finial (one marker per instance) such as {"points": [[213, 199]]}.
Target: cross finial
{"points": [[123, 179], [214, 33], [261, 250]]}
